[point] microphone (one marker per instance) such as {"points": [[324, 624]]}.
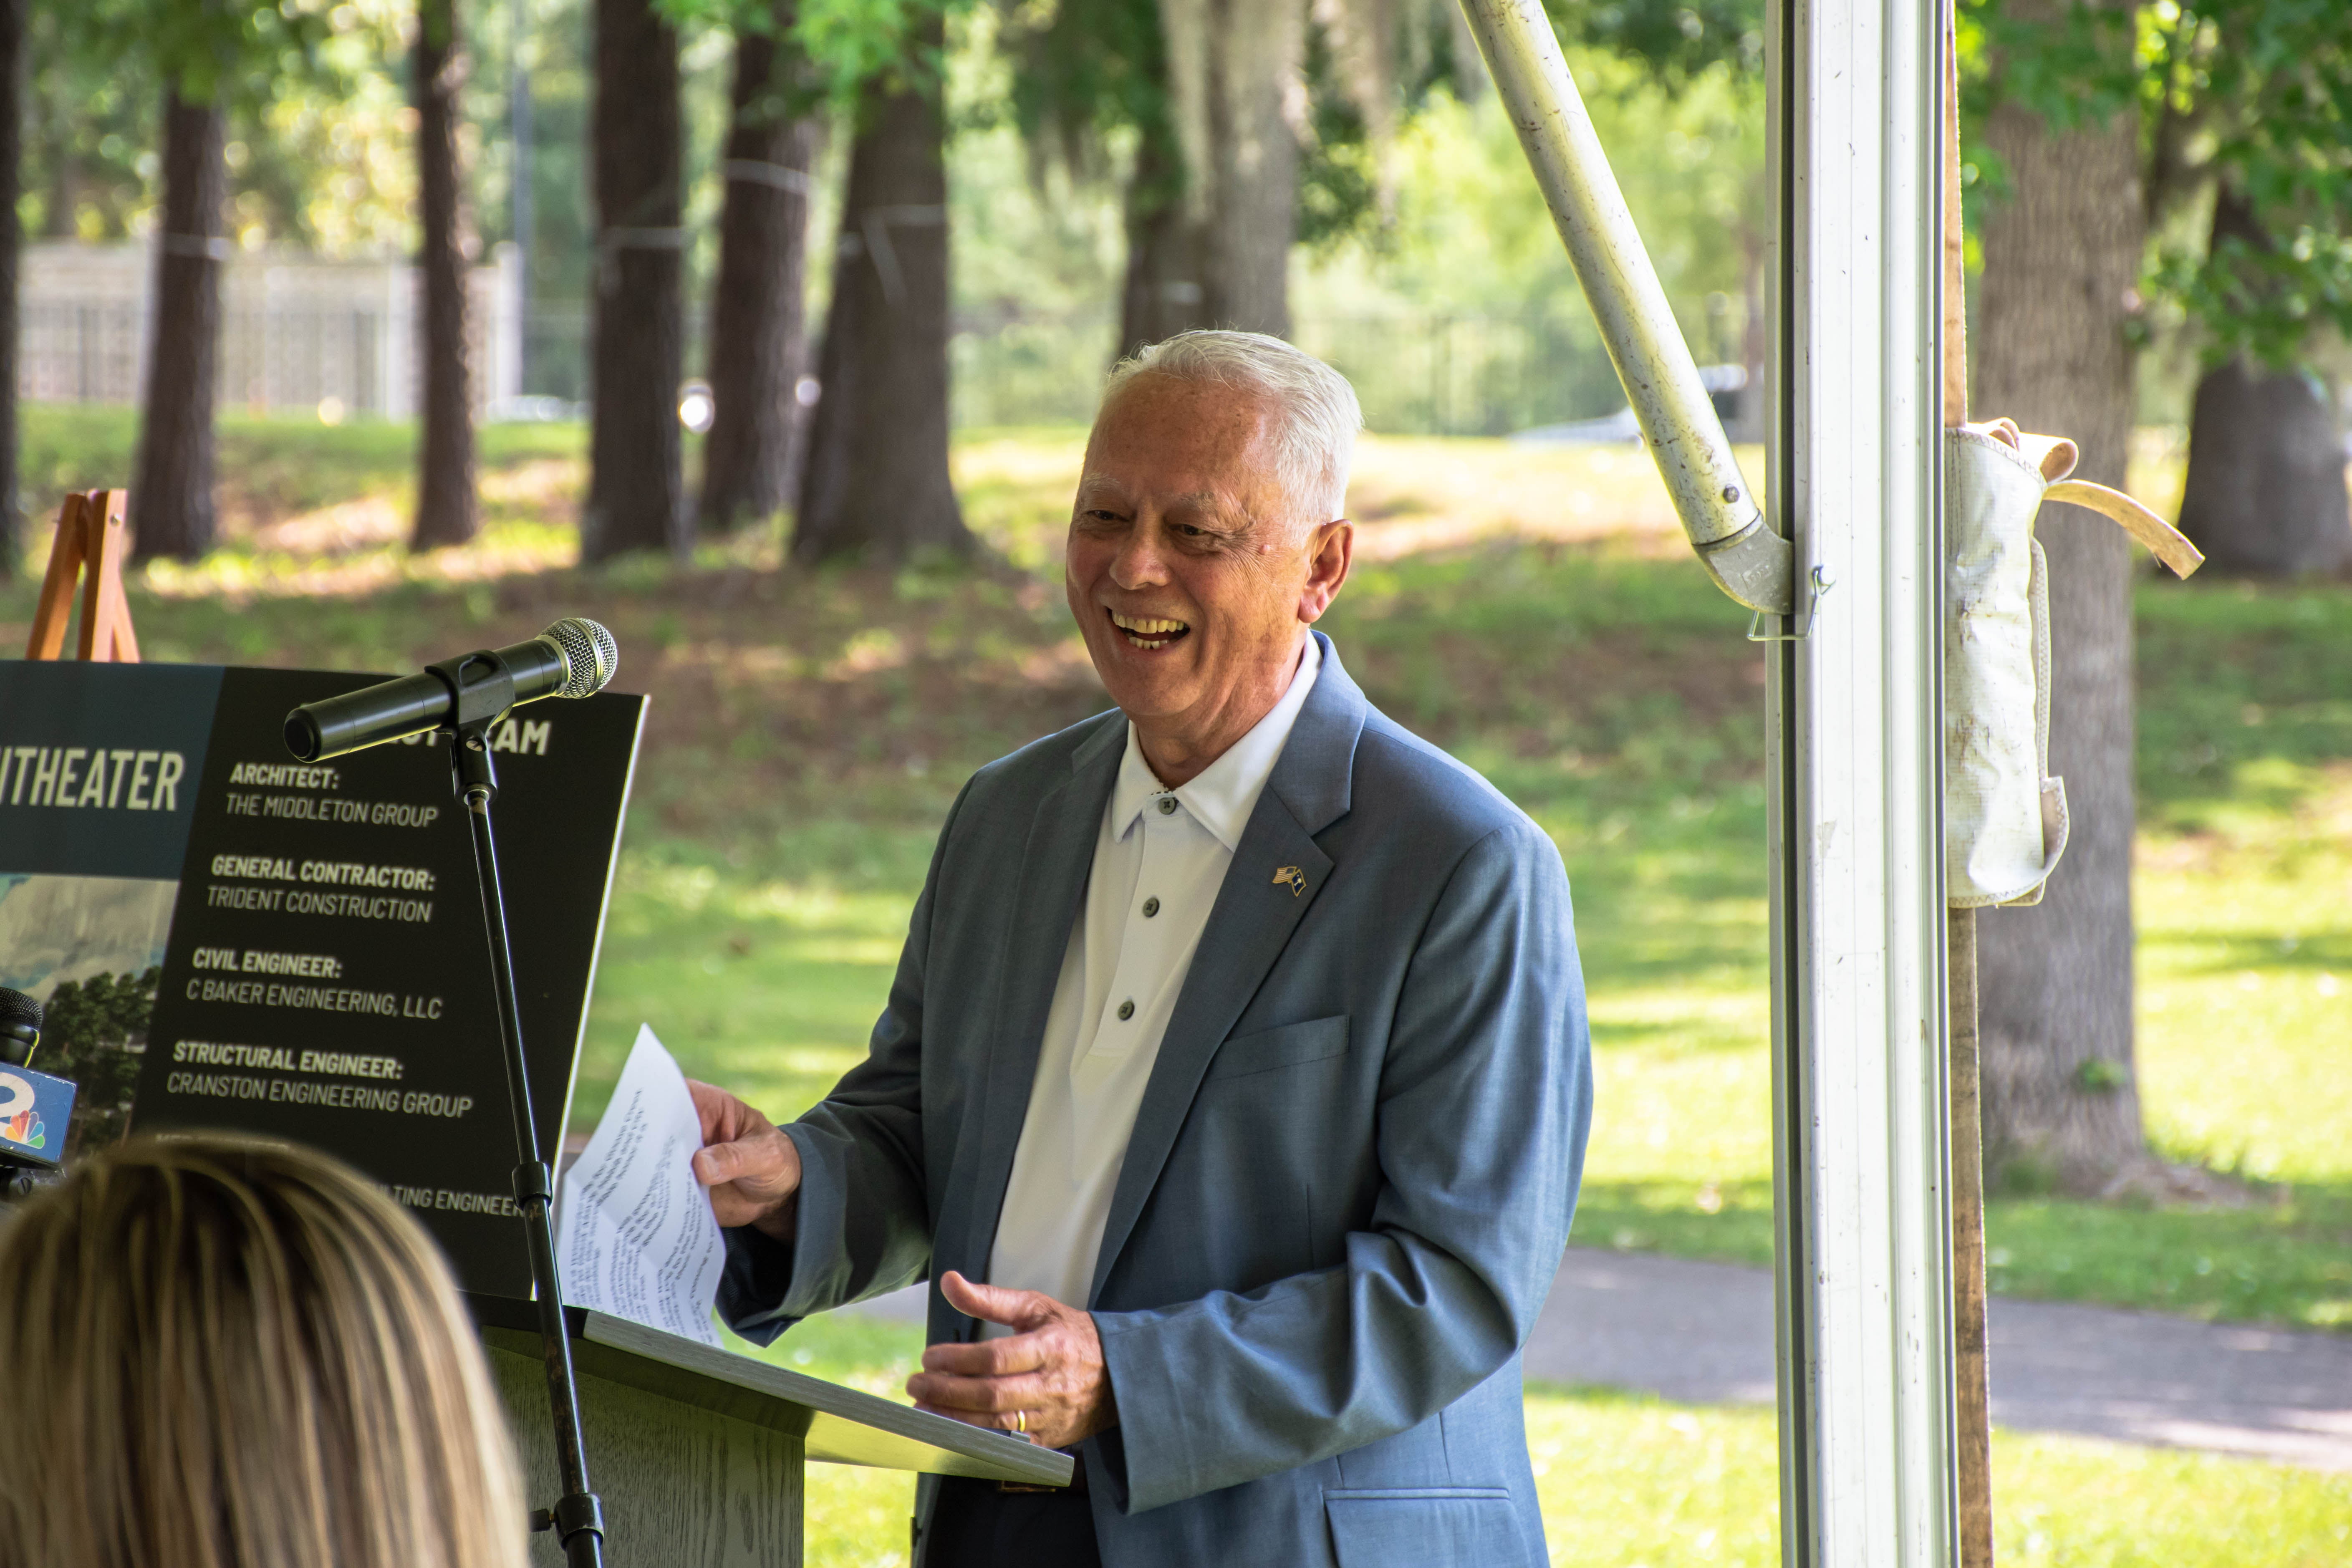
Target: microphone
{"points": [[573, 657], [35, 1108], [20, 1026]]}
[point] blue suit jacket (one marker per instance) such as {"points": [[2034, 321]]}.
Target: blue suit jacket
{"points": [[1350, 1182]]}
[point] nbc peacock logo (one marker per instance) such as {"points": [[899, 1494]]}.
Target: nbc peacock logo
{"points": [[23, 1126]]}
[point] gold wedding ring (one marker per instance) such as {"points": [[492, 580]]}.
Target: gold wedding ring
{"points": [[1021, 1422]]}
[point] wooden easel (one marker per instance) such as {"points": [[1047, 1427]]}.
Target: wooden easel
{"points": [[90, 533]]}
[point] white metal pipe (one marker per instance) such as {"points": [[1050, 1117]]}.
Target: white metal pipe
{"points": [[1861, 1072], [1718, 508]]}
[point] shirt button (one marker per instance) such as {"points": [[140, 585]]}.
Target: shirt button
{"points": [[1127, 1010], [1150, 908], [1167, 804]]}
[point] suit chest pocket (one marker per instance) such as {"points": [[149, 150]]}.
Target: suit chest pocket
{"points": [[1291, 1045]]}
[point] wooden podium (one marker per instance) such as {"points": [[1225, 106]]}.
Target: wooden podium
{"points": [[697, 1453]]}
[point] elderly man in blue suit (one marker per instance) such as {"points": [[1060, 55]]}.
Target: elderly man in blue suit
{"points": [[1233, 1086]]}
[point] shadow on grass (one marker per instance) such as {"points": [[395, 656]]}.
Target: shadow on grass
{"points": [[2242, 688]]}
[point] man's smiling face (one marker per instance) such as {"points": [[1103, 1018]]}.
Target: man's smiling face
{"points": [[1189, 570]]}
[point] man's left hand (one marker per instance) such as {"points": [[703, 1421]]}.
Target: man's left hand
{"points": [[1046, 1378]]}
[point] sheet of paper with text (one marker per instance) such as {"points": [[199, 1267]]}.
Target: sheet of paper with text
{"points": [[637, 1238]]}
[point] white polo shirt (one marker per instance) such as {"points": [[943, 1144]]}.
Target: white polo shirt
{"points": [[1158, 862]]}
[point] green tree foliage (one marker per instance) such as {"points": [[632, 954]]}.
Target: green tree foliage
{"points": [[1344, 183], [89, 137], [848, 43], [317, 152], [1086, 72], [2253, 95], [1359, 92], [92, 1034], [1675, 39], [237, 52], [2256, 95]]}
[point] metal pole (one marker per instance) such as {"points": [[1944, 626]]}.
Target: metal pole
{"points": [[1862, 1076], [524, 218], [578, 1516], [1971, 1379], [1861, 1080], [1720, 510]]}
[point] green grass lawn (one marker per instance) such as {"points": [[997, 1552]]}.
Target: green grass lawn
{"points": [[808, 732]]}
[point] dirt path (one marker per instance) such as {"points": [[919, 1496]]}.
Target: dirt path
{"points": [[1703, 1332]]}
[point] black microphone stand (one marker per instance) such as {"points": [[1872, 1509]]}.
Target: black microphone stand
{"points": [[485, 691]]}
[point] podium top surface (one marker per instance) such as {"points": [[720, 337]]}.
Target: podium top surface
{"points": [[836, 1425]]}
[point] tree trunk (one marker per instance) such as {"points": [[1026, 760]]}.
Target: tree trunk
{"points": [[756, 317], [1163, 294], [12, 121], [1230, 65], [1755, 332], [446, 512], [172, 498], [2264, 492], [2060, 257], [636, 489], [877, 484]]}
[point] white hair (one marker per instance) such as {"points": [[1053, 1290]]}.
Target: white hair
{"points": [[1315, 438]]}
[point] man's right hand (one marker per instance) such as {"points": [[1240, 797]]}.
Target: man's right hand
{"points": [[752, 1170]]}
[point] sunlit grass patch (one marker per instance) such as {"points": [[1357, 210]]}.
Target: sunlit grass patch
{"points": [[2074, 1502], [272, 467], [1409, 496], [1666, 1111], [855, 1516], [1626, 1480], [1015, 486], [767, 985], [1725, 1220], [2284, 1259], [2245, 935]]}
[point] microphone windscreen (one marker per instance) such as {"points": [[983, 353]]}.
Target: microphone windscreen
{"points": [[590, 655], [17, 1008]]}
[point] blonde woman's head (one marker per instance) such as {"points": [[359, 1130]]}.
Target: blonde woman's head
{"points": [[222, 1353]]}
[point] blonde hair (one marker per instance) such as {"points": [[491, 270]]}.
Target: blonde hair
{"points": [[225, 1353], [1314, 441]]}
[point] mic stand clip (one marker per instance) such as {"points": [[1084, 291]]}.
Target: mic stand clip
{"points": [[578, 1516]]}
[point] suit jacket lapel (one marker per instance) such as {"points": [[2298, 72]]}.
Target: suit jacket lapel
{"points": [[1055, 868], [1248, 927]]}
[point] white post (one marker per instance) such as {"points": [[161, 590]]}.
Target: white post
{"points": [[1854, 706], [500, 380]]}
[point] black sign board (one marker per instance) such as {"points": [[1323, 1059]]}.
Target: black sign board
{"points": [[326, 975]]}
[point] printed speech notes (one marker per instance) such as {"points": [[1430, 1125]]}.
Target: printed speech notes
{"points": [[638, 1240]]}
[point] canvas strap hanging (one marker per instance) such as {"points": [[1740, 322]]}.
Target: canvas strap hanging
{"points": [[2004, 814]]}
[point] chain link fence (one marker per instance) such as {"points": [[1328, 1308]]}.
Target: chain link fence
{"points": [[1431, 376], [298, 335]]}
